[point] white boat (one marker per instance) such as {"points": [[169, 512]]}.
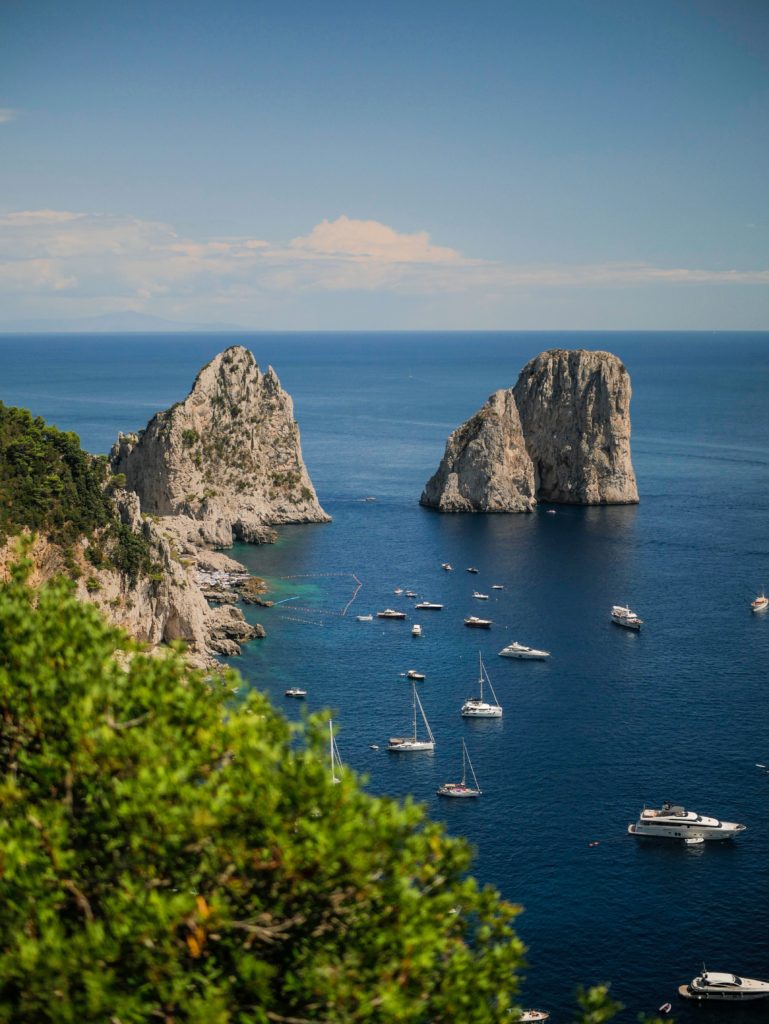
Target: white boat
{"points": [[475, 623], [461, 789], [428, 606], [333, 753], [390, 613], [398, 591], [295, 691], [477, 707], [416, 629], [531, 1016], [516, 650], [623, 616], [761, 603], [497, 586], [365, 618], [550, 511], [446, 566], [471, 568], [480, 597], [410, 593], [400, 744], [413, 674], [722, 987], [674, 822]]}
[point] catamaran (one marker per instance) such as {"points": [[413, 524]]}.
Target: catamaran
{"points": [[333, 754], [407, 743], [461, 789], [477, 707]]}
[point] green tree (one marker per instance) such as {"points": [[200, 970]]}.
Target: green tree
{"points": [[167, 856]]}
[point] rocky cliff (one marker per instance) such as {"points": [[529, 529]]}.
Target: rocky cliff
{"points": [[227, 460], [562, 434], [485, 467]]}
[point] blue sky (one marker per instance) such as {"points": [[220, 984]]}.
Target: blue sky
{"points": [[517, 164]]}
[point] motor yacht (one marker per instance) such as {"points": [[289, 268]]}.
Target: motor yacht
{"points": [[623, 616], [531, 1016], [471, 568], [475, 623], [410, 593], [497, 586], [722, 987], [416, 629], [477, 707], [428, 606], [295, 691], [398, 591], [675, 822], [413, 674], [365, 618], [761, 603], [480, 597], [390, 613], [516, 650], [447, 566]]}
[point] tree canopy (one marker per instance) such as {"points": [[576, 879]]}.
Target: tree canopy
{"points": [[166, 854]]}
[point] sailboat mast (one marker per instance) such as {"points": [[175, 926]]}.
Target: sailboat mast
{"points": [[480, 673], [414, 688]]}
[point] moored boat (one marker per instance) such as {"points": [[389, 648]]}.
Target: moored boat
{"points": [[497, 586], [390, 613], [416, 629], [475, 623], [413, 674], [428, 606], [480, 597], [295, 691], [719, 986], [401, 744], [531, 1016], [462, 789], [477, 707], [621, 615], [516, 650], [674, 822], [471, 568], [365, 618], [447, 566], [761, 603]]}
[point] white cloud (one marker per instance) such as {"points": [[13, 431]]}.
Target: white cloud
{"points": [[7, 114], [98, 261]]}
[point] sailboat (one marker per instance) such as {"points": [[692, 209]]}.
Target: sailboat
{"points": [[333, 754], [461, 789], [477, 707], [399, 743]]}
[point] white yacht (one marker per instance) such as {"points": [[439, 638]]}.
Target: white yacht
{"points": [[497, 586], [761, 603], [365, 618], [530, 1016], [413, 674], [516, 650], [461, 789], [390, 613], [477, 707], [722, 987], [623, 616], [674, 822], [475, 623], [447, 566], [295, 691], [428, 606], [416, 629], [480, 597], [408, 743]]}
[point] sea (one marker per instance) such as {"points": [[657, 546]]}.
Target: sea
{"points": [[613, 721]]}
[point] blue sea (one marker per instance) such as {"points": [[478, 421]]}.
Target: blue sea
{"points": [[614, 720]]}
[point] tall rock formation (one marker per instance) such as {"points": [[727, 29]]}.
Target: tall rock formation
{"points": [[227, 459], [575, 412], [485, 467], [562, 434]]}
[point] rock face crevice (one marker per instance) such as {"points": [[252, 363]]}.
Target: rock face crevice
{"points": [[227, 459], [562, 434]]}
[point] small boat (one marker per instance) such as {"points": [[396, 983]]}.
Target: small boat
{"points": [[416, 629], [390, 613], [550, 511], [398, 591], [369, 497], [665, 1008], [761, 603], [413, 674], [461, 789], [428, 606], [530, 1016], [475, 623], [497, 586], [295, 691], [477, 707], [675, 822], [472, 568], [480, 597], [335, 759], [410, 593], [516, 650], [373, 746], [621, 615], [722, 987], [401, 744], [447, 566], [365, 618]]}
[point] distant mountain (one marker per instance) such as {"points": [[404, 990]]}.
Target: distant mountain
{"points": [[106, 323]]}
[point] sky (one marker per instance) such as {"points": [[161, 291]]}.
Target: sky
{"points": [[432, 164]]}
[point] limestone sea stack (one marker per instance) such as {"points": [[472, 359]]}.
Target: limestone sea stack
{"points": [[575, 413], [562, 434], [228, 457], [485, 467]]}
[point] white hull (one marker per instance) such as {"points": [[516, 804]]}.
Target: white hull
{"points": [[527, 653], [458, 792], [407, 745], [728, 830], [716, 986], [481, 711], [619, 620]]}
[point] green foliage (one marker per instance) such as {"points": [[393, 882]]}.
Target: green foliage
{"points": [[131, 554], [190, 437], [47, 482], [166, 857]]}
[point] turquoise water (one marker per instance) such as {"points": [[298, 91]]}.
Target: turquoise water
{"points": [[614, 719]]}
